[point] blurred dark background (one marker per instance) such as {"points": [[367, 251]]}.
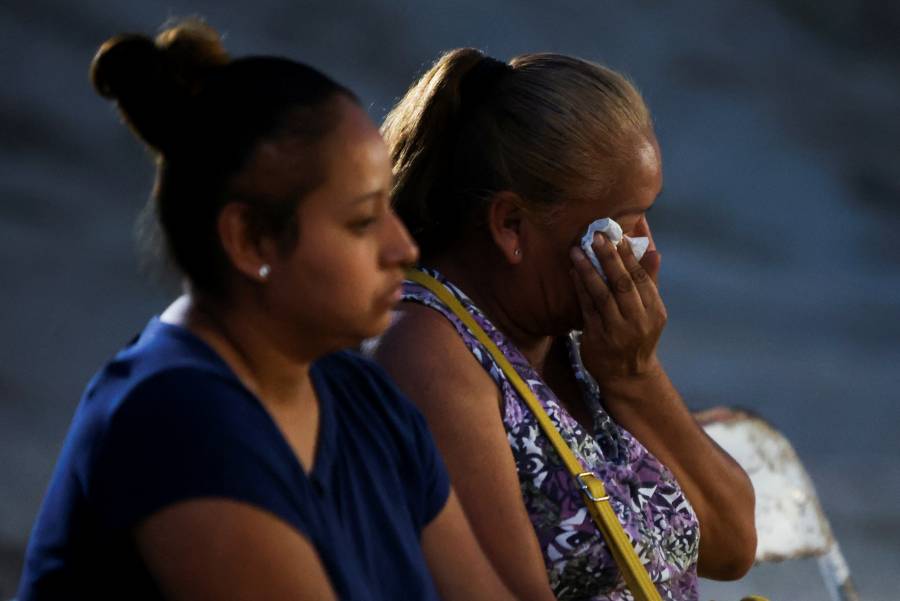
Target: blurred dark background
{"points": [[778, 121]]}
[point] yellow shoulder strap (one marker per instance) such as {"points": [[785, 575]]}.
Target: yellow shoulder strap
{"points": [[592, 489]]}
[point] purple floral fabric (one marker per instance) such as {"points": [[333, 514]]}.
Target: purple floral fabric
{"points": [[644, 494]]}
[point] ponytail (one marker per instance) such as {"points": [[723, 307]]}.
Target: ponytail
{"points": [[423, 132]]}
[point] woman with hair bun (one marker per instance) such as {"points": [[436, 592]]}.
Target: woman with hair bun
{"points": [[499, 170], [232, 450]]}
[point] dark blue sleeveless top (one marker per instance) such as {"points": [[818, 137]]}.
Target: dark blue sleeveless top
{"points": [[167, 420]]}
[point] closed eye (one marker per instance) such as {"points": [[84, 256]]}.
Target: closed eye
{"points": [[363, 224]]}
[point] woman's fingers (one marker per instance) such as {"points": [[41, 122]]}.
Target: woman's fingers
{"points": [[643, 281], [651, 262], [626, 302], [620, 281], [593, 292], [652, 258]]}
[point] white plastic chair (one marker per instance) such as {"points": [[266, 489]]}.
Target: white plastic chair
{"points": [[790, 523]]}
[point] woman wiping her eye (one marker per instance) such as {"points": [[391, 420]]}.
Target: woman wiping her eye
{"points": [[500, 168], [232, 450]]}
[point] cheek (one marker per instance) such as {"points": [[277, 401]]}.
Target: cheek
{"points": [[565, 301], [340, 274], [556, 311], [554, 282], [349, 283]]}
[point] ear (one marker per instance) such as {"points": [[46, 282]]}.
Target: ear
{"points": [[245, 249], [505, 222]]}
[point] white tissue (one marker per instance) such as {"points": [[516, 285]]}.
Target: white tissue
{"points": [[613, 231]]}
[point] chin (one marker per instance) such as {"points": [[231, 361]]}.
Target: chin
{"points": [[577, 324], [381, 326], [373, 329], [567, 323], [352, 331], [341, 343]]}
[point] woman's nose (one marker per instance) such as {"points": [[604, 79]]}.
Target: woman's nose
{"points": [[399, 247], [642, 228]]}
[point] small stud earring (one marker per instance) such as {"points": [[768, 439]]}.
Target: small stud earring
{"points": [[264, 271], [518, 252]]}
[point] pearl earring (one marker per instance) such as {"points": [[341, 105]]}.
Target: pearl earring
{"points": [[264, 271], [518, 252]]}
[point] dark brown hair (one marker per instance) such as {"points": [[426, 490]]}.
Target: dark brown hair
{"points": [[203, 114], [548, 127]]}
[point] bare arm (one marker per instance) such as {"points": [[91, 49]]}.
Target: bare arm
{"points": [[223, 549], [458, 565], [718, 488], [431, 364], [622, 324]]}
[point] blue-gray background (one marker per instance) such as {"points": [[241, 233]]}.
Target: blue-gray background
{"points": [[778, 121]]}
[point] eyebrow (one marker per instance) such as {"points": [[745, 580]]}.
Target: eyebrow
{"points": [[634, 210], [630, 211], [373, 195], [637, 209]]}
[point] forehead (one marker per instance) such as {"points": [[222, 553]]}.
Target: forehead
{"points": [[355, 141], [633, 189], [354, 157], [294, 163], [641, 178]]}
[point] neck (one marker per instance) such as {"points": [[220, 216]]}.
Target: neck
{"points": [[244, 340], [489, 288]]}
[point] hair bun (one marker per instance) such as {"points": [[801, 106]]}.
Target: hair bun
{"points": [[122, 62], [156, 81], [191, 50]]}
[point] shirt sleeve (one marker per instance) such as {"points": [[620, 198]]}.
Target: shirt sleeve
{"points": [[187, 433], [437, 480], [427, 479]]}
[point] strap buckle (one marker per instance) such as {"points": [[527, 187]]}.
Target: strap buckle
{"points": [[586, 488]]}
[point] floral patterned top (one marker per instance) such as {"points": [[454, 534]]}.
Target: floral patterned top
{"points": [[650, 504]]}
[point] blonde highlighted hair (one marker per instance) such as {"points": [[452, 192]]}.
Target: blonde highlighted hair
{"points": [[549, 127]]}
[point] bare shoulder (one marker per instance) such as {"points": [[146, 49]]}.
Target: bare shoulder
{"points": [[417, 327], [431, 363], [422, 351]]}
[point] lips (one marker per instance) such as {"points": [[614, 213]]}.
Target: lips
{"points": [[395, 293]]}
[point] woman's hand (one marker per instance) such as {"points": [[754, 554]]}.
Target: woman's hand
{"points": [[623, 319], [623, 316]]}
